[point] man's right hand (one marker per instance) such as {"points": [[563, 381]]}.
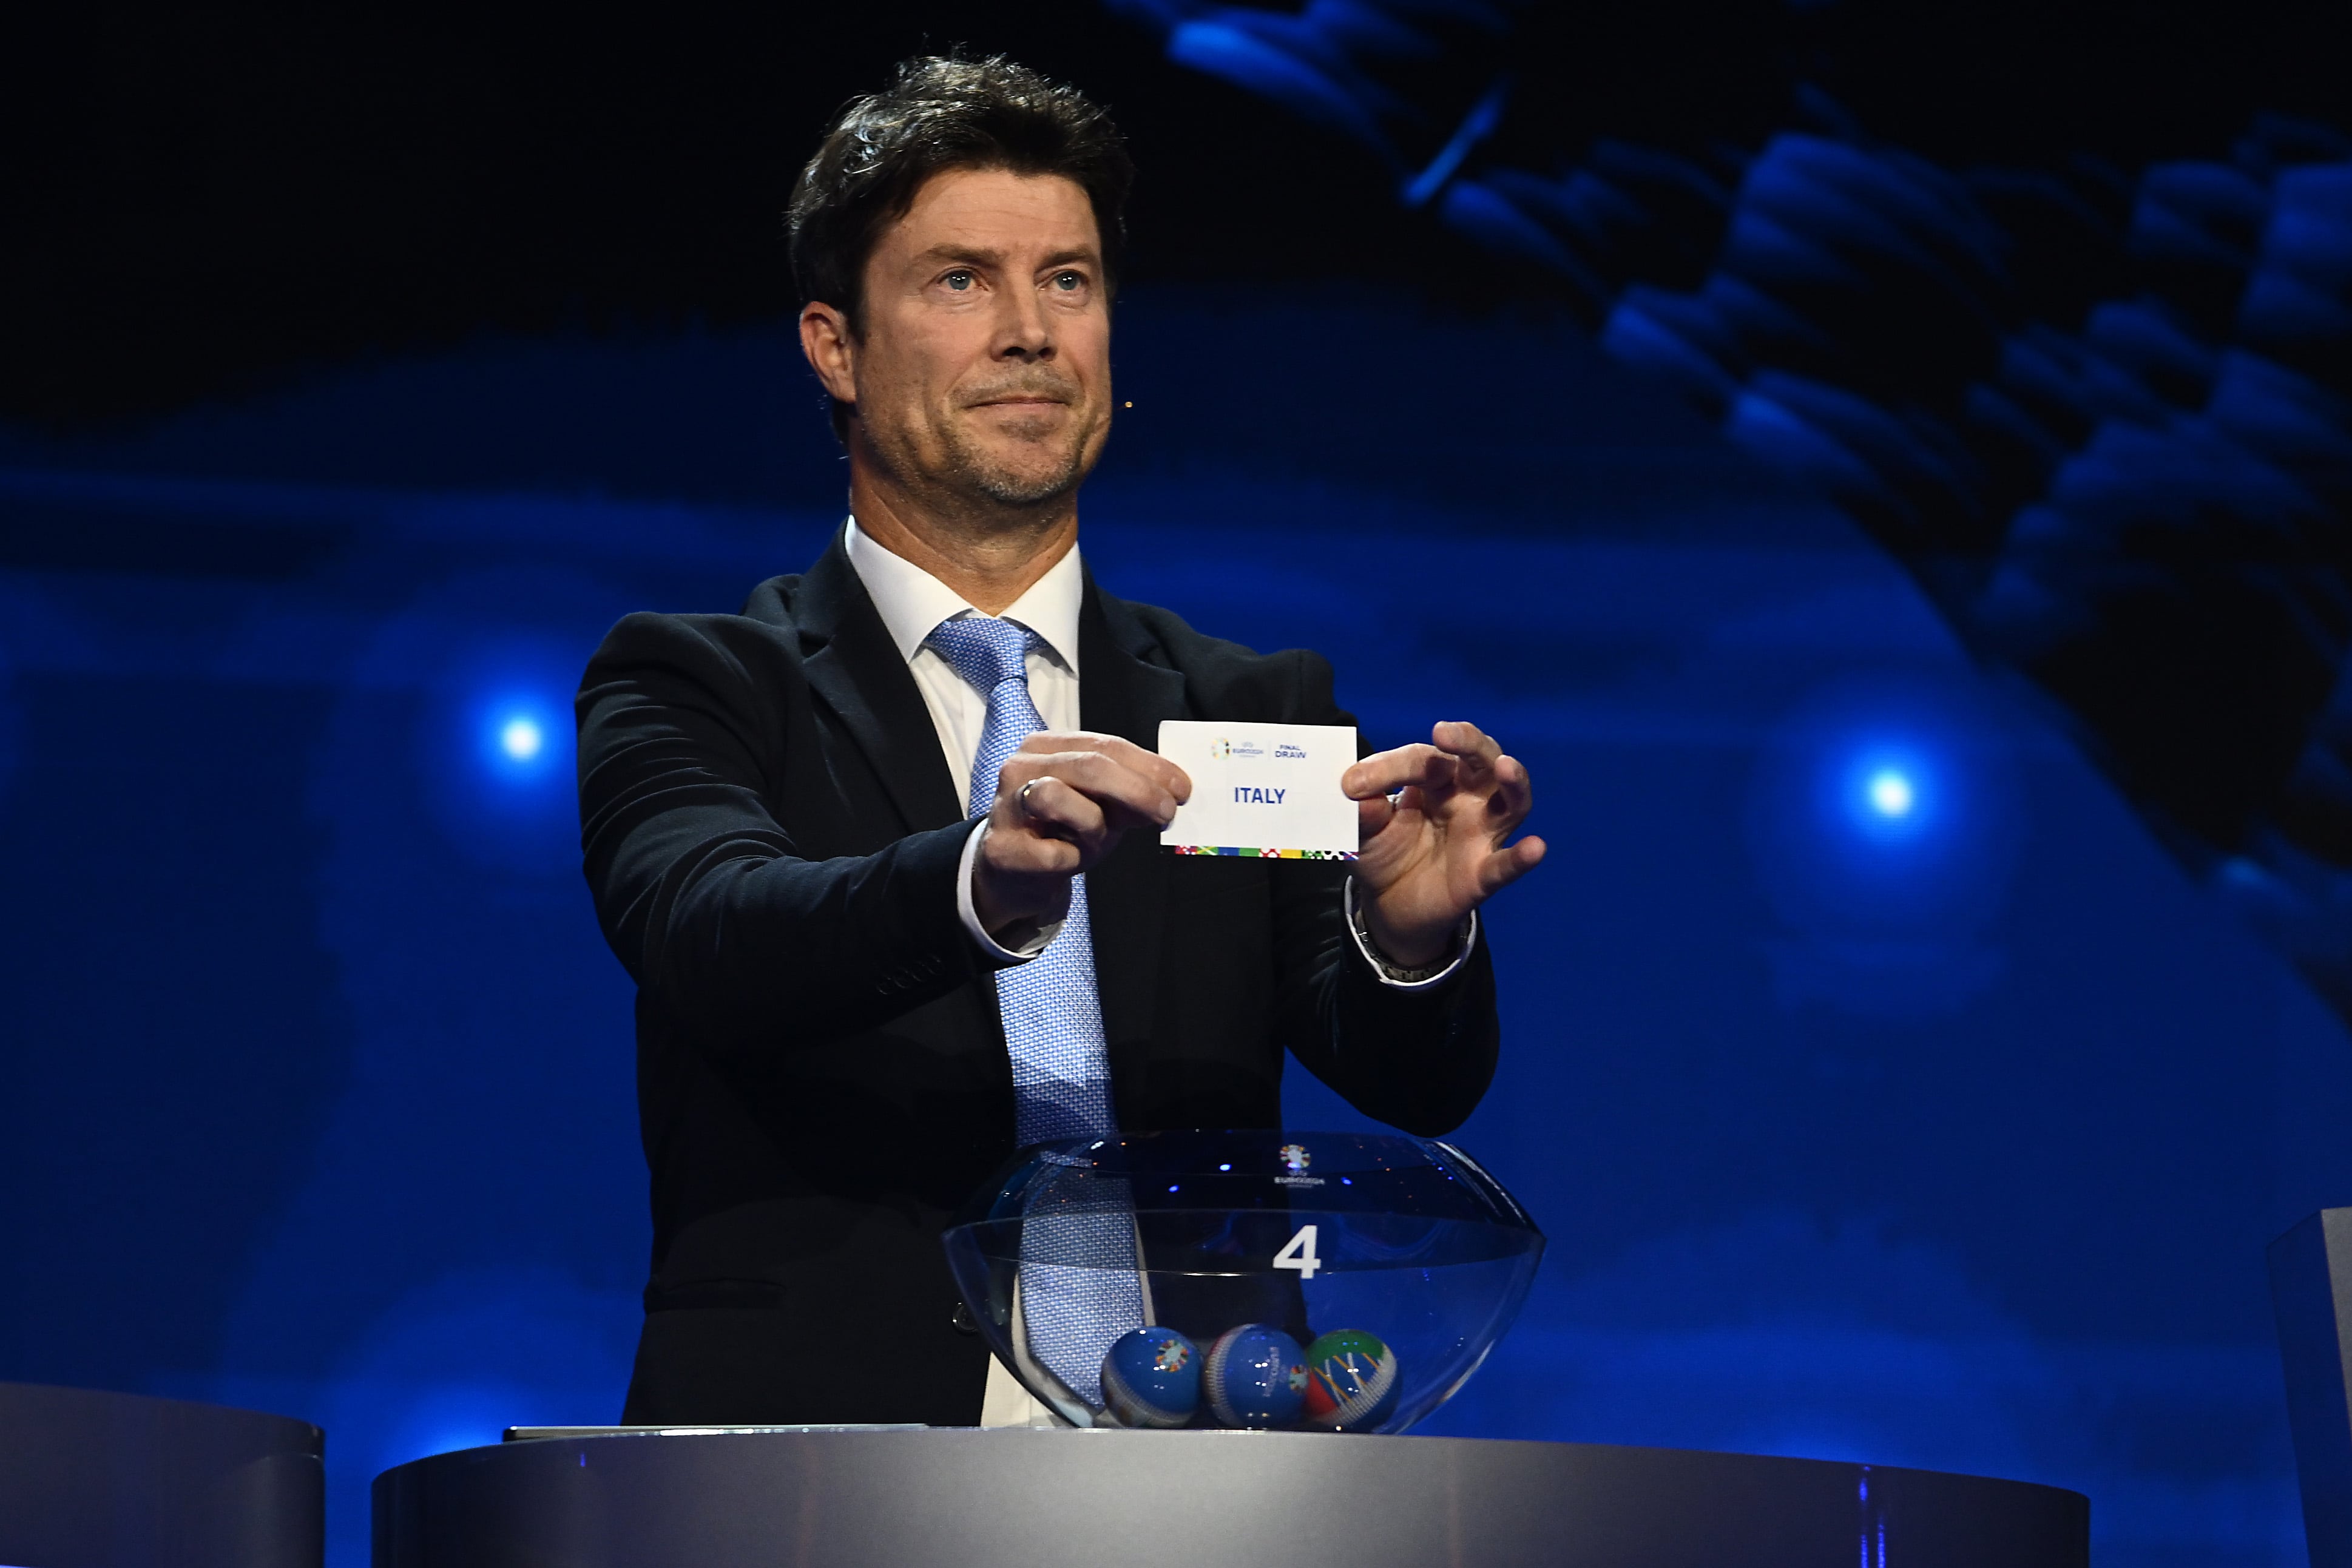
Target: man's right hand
{"points": [[1062, 801]]}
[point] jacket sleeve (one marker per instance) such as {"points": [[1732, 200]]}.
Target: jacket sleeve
{"points": [[1419, 1061], [704, 896]]}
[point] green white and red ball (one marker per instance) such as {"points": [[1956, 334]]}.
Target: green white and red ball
{"points": [[1351, 1381]]}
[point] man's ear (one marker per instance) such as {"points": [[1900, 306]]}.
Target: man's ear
{"points": [[831, 350]]}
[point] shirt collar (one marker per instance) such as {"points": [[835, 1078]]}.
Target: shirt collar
{"points": [[912, 602]]}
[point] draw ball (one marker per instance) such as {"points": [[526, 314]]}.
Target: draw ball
{"points": [[1351, 1381], [1152, 1377], [1254, 1377]]}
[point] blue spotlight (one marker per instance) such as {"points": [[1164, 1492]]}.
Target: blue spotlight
{"points": [[1890, 792], [496, 754], [1885, 822], [1886, 793], [518, 737], [493, 746], [522, 739]]}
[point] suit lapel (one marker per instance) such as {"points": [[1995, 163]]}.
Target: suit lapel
{"points": [[1120, 693], [859, 673]]}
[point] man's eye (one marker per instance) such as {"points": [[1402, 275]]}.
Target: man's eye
{"points": [[1068, 282], [958, 281]]}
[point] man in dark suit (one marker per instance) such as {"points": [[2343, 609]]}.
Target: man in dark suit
{"points": [[878, 850]]}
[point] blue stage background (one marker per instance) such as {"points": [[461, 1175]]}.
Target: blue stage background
{"points": [[1885, 1091]]}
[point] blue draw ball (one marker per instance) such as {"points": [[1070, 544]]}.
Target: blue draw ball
{"points": [[1152, 1377], [1254, 1377]]}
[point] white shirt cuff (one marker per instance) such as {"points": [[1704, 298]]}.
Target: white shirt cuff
{"points": [[988, 946], [1396, 975]]}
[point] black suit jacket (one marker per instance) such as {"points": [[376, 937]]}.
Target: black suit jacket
{"points": [[773, 836]]}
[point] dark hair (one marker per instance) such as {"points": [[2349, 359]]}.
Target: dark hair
{"points": [[941, 112]]}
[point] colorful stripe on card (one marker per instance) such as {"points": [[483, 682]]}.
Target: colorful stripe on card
{"points": [[1261, 854]]}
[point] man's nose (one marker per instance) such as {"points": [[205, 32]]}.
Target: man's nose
{"points": [[1025, 331]]}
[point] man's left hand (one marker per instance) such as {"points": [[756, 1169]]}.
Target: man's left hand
{"points": [[1436, 851]]}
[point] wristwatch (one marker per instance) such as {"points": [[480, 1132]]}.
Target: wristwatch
{"points": [[1397, 973]]}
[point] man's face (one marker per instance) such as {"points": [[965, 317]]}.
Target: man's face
{"points": [[984, 366]]}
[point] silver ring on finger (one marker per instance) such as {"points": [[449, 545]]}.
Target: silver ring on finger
{"points": [[1022, 798]]}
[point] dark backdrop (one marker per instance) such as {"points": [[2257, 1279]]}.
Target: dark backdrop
{"points": [[198, 200]]}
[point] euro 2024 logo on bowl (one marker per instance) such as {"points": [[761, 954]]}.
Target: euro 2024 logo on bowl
{"points": [[1295, 1158]]}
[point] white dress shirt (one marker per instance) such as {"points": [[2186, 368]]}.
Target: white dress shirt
{"points": [[912, 603]]}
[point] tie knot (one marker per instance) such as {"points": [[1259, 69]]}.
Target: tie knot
{"points": [[985, 651]]}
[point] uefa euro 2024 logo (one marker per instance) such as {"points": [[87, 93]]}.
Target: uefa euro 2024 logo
{"points": [[1295, 1158]]}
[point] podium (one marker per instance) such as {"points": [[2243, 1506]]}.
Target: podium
{"points": [[93, 1479], [957, 1497]]}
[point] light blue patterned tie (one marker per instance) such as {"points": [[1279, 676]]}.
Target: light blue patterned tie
{"points": [[1079, 1286]]}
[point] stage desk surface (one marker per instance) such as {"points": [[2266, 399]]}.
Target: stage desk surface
{"points": [[912, 1497]]}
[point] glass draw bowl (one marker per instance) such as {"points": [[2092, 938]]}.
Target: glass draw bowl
{"points": [[1339, 1281]]}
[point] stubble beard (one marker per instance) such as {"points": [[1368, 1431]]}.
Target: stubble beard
{"points": [[973, 471], [964, 475]]}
